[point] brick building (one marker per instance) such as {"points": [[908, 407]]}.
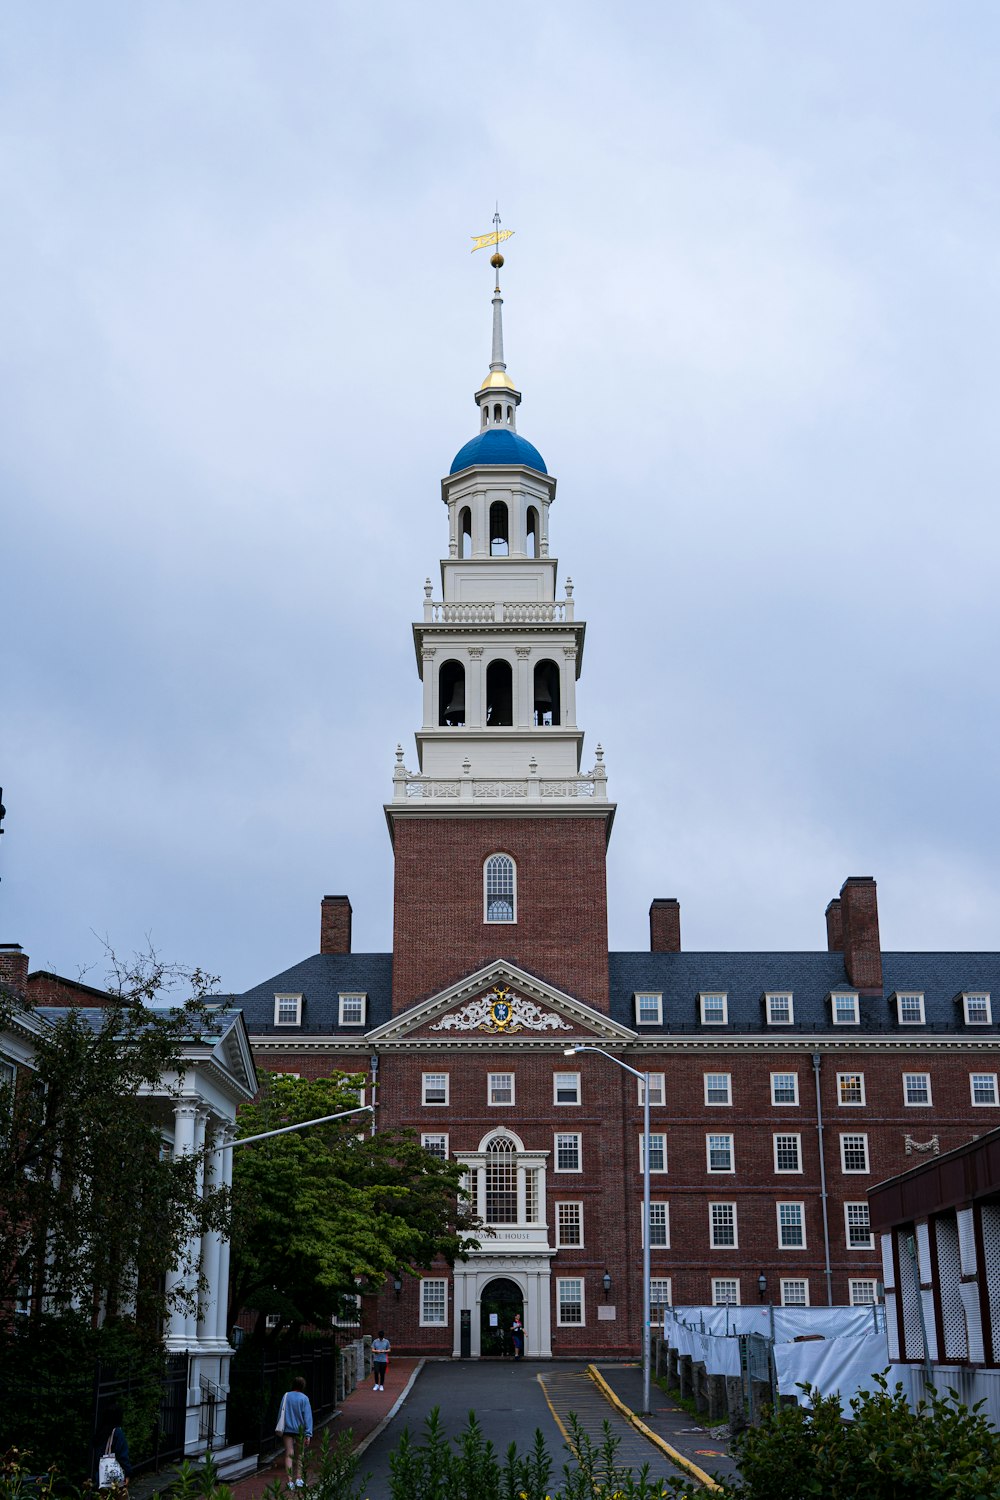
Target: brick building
{"points": [[782, 1085]]}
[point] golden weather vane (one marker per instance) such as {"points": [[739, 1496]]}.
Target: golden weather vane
{"points": [[495, 238]]}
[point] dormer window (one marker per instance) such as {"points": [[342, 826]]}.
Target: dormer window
{"points": [[288, 1010], [909, 1008], [976, 1006], [352, 1009], [844, 1007], [714, 1008], [648, 1009], [500, 889], [779, 1008]]}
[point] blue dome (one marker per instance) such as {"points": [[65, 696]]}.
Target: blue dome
{"points": [[498, 446]]}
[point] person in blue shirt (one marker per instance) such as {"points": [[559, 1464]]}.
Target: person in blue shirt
{"points": [[295, 1424]]}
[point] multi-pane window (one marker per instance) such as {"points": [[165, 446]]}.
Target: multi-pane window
{"points": [[977, 1008], [566, 1088], [719, 1151], [863, 1292], [569, 1224], [657, 1152], [656, 1086], [722, 1226], [917, 1088], [850, 1088], [435, 1088], [718, 1088], [984, 1088], [287, 1010], [714, 1009], [433, 1302], [725, 1291], [910, 1008], [779, 1010], [660, 1294], [568, 1153], [435, 1145], [352, 1009], [659, 1225], [858, 1226], [648, 1009], [788, 1153], [531, 1194], [845, 1008], [784, 1088], [854, 1153], [794, 1292], [569, 1299], [499, 884], [501, 1181], [791, 1226], [501, 1088]]}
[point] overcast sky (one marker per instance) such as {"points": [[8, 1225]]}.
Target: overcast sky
{"points": [[752, 304]]}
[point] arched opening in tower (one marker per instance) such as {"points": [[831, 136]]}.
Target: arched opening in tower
{"points": [[532, 531], [451, 695], [546, 693], [499, 533], [465, 531], [499, 694]]}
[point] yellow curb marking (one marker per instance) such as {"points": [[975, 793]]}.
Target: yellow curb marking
{"points": [[654, 1437]]}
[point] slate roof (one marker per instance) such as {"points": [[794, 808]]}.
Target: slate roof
{"points": [[744, 977]]}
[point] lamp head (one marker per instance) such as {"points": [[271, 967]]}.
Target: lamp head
{"points": [[569, 1052]]}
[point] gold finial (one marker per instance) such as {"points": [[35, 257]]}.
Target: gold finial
{"points": [[495, 238]]}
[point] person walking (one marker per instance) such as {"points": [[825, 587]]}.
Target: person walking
{"points": [[380, 1359], [517, 1336], [117, 1448], [295, 1424]]}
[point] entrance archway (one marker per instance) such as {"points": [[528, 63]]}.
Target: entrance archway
{"points": [[500, 1301]]}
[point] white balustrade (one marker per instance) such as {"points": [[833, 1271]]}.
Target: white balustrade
{"points": [[499, 612]]}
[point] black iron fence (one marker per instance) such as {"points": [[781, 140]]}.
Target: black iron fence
{"points": [[129, 1386], [261, 1373]]}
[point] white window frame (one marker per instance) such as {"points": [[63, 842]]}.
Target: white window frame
{"points": [[785, 1103], [666, 1282], [917, 1103], [720, 1135], [706, 995], [428, 1314], [982, 1103], [851, 1103], [567, 1135], [854, 1135], [719, 1103], [665, 1205], [718, 1282], [279, 1001], [902, 1020], [499, 921], [797, 1204], [788, 1281], [565, 1103], [493, 1086], [983, 997], [657, 1081], [356, 999], [714, 1243], [773, 1020], [848, 1241], [648, 1020], [425, 1085], [855, 1017], [859, 1299], [581, 1321], [654, 1136], [435, 1135], [562, 1203], [788, 1135]]}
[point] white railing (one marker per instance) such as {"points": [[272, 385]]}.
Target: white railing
{"points": [[412, 785], [499, 612]]}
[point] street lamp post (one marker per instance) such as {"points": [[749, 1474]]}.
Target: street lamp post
{"points": [[570, 1052]]}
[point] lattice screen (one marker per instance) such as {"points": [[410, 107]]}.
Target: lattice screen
{"points": [[991, 1255], [967, 1241], [973, 1320], [909, 1300], [956, 1343]]}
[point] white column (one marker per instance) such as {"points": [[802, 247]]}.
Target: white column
{"points": [[185, 1120], [430, 687], [194, 1245], [211, 1249], [475, 695], [226, 1134], [567, 684], [523, 704], [481, 1192], [522, 1196]]}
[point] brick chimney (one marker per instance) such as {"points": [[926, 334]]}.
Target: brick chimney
{"points": [[862, 948], [665, 925], [835, 927], [13, 967], [335, 925]]}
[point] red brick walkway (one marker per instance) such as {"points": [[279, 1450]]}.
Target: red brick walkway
{"points": [[361, 1415]]}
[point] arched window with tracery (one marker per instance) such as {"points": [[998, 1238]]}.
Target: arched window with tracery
{"points": [[500, 889], [501, 1181]]}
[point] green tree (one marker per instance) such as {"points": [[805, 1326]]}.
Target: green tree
{"points": [[318, 1211]]}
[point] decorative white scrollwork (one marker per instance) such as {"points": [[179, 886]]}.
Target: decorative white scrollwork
{"points": [[922, 1148], [501, 1011]]}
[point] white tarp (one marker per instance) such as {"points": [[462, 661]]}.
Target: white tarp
{"points": [[789, 1322], [716, 1347], [839, 1366]]}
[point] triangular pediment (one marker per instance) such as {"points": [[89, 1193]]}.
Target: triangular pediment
{"points": [[500, 1002]]}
